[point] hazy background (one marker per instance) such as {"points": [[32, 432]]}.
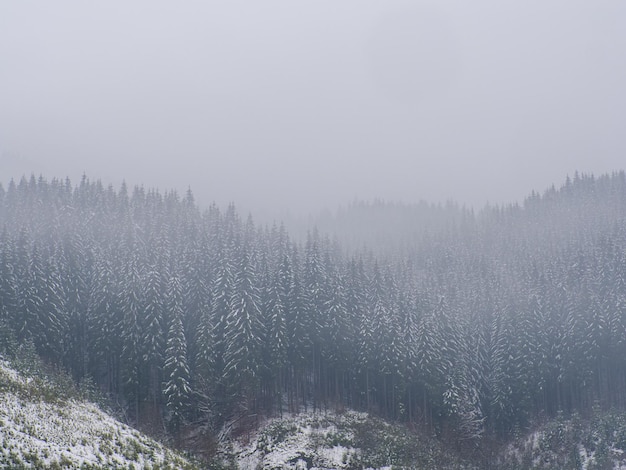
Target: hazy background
{"points": [[301, 105]]}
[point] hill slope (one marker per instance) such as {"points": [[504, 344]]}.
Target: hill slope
{"points": [[341, 441], [41, 429]]}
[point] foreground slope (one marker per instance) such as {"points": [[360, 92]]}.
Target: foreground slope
{"points": [[594, 442], [331, 440], [353, 440], [41, 429]]}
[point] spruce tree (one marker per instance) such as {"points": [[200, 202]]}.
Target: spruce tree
{"points": [[176, 389]]}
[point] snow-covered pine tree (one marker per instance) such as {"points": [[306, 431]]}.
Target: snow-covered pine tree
{"points": [[8, 299], [274, 338], [176, 389], [221, 294], [152, 321], [106, 324], [8, 283], [29, 292], [315, 281], [132, 373], [298, 329], [339, 336], [53, 314], [243, 329], [197, 319]]}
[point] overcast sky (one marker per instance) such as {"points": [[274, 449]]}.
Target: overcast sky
{"points": [[302, 104]]}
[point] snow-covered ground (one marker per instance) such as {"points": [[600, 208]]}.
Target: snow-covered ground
{"points": [[36, 432], [305, 441], [333, 440], [594, 443]]}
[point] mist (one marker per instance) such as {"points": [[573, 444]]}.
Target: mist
{"points": [[300, 106]]}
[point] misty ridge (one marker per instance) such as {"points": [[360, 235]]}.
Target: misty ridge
{"points": [[194, 316], [293, 108]]}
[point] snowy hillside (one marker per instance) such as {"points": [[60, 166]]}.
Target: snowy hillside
{"points": [[39, 429], [348, 440], [592, 443], [352, 440]]}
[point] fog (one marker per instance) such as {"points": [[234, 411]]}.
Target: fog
{"points": [[284, 105]]}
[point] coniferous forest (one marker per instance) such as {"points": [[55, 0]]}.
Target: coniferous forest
{"points": [[469, 328]]}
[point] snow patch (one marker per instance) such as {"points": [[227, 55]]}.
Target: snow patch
{"points": [[36, 433], [306, 441]]}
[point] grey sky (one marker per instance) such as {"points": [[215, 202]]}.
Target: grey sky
{"points": [[310, 104]]}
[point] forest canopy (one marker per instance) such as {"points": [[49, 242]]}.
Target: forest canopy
{"points": [[189, 314]]}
